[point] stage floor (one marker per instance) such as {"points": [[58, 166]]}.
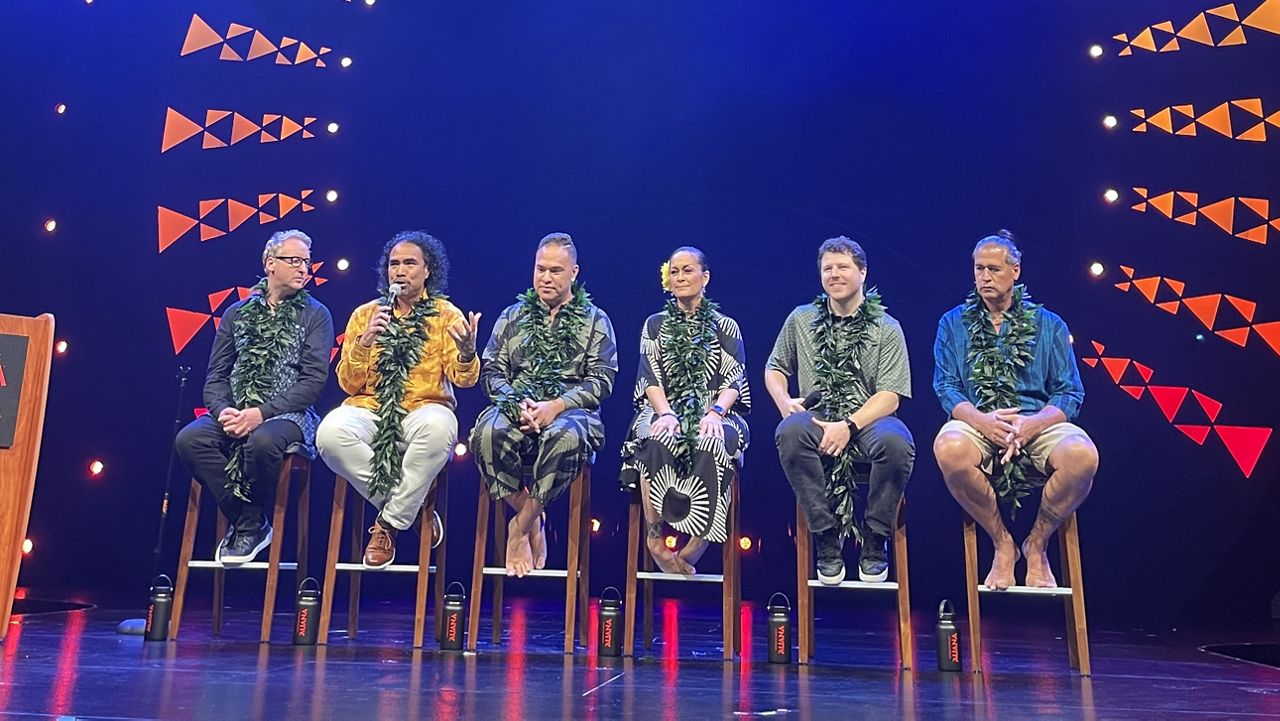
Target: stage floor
{"points": [[75, 665]]}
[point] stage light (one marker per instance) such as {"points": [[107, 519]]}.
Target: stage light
{"points": [[1096, 269], [1095, 51], [343, 264], [671, 542], [595, 525], [331, 196], [1200, 336], [60, 347], [60, 108], [460, 450], [1071, 339], [370, 2], [1109, 122], [744, 543], [345, 62], [27, 546], [332, 128], [50, 225], [1111, 196], [97, 468]]}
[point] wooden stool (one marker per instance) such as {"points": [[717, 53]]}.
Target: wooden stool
{"points": [[806, 582], [1072, 593], [438, 496], [577, 562], [295, 459], [730, 578]]}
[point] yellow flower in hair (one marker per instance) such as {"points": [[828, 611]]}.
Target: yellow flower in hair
{"points": [[666, 276]]}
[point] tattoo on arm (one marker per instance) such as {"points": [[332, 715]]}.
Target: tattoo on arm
{"points": [[655, 529]]}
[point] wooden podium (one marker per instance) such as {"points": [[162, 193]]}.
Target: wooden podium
{"points": [[26, 350]]}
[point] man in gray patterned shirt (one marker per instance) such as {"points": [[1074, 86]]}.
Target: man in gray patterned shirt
{"points": [[849, 359]]}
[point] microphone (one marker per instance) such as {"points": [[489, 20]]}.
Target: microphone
{"points": [[389, 297], [812, 399]]}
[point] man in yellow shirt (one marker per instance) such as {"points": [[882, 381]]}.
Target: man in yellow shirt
{"points": [[401, 357]]}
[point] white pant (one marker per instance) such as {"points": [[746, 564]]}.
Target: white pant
{"points": [[428, 437]]}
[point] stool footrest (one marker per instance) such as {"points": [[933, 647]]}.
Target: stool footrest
{"points": [[857, 585], [394, 568], [695, 578], [251, 566], [535, 573], [1027, 591]]}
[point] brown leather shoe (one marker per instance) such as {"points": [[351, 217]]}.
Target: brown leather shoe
{"points": [[381, 550]]}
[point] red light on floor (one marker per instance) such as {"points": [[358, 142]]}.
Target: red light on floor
{"points": [[671, 541], [97, 468], [744, 543]]}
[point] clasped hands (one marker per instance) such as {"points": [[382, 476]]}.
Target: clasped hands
{"points": [[668, 425], [1008, 429], [239, 423], [536, 415]]}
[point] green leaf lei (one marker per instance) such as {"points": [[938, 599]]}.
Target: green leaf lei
{"points": [[548, 348], [690, 337], [838, 366], [401, 350], [262, 337], [994, 362]]}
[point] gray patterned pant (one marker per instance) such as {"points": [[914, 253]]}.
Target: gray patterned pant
{"points": [[553, 457]]}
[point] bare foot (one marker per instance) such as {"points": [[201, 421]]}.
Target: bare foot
{"points": [[1001, 575], [665, 559], [519, 553], [692, 552], [1039, 575], [538, 542]]}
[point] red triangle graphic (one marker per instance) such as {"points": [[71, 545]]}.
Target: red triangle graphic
{"points": [[1148, 287], [1124, 286], [1169, 305], [1270, 333], [1115, 367], [1195, 433], [177, 129], [215, 299], [1135, 391], [1210, 406], [238, 213], [241, 128], [1091, 362], [1256, 235], [183, 326], [1098, 347], [171, 226], [1245, 444], [1177, 286], [1169, 398], [287, 204], [333, 354], [1239, 336], [263, 218], [1205, 307], [199, 36], [321, 281], [1126, 270], [208, 206], [1143, 371], [243, 292], [208, 232]]}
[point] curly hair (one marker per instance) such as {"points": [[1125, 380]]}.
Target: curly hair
{"points": [[432, 251], [843, 244]]}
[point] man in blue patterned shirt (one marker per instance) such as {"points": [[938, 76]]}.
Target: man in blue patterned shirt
{"points": [[1007, 378]]}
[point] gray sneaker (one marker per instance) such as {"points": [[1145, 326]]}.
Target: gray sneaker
{"points": [[830, 564]]}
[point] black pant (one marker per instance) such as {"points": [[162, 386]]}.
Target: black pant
{"points": [[886, 443], [206, 448]]}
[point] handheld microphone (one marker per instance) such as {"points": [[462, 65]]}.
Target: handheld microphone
{"points": [[389, 297], [811, 400]]}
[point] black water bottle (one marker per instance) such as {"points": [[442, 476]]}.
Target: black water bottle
{"points": [[306, 612], [948, 638], [160, 610], [610, 620], [452, 632], [779, 629]]}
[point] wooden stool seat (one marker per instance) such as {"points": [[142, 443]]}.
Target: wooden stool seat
{"points": [[437, 497], [730, 579], [297, 458]]}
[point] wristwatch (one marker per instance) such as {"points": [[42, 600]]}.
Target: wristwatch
{"points": [[718, 410], [853, 428]]}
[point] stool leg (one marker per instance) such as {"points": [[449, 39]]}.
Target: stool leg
{"points": [[273, 556], [189, 524], [441, 553], [971, 594], [906, 642], [635, 539], [477, 568], [1077, 626], [584, 564], [648, 604], [728, 552], [331, 556], [572, 560], [219, 580], [500, 560], [737, 566], [303, 518], [353, 582], [424, 569], [804, 594]]}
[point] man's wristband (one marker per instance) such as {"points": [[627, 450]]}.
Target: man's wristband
{"points": [[853, 428], [669, 413], [718, 410]]}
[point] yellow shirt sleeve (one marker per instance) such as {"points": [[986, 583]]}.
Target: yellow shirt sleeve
{"points": [[462, 375], [356, 360]]}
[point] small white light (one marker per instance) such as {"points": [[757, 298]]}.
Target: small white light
{"points": [[1095, 51], [1111, 196], [1199, 336], [1096, 269], [96, 468], [331, 196], [1071, 339], [50, 225], [370, 2], [460, 450], [60, 347], [1110, 122], [27, 546], [60, 108], [343, 264], [345, 62], [332, 127]]}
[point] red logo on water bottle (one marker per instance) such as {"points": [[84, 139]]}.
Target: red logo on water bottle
{"points": [[303, 617]]}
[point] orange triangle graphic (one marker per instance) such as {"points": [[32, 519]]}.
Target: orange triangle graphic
{"points": [[281, 59], [1270, 333], [208, 232], [1147, 287], [1139, 112], [1115, 367], [183, 326], [1218, 120], [1205, 307], [1142, 192], [208, 206], [1126, 270], [211, 141], [307, 121], [1143, 371], [1257, 235], [263, 218], [307, 208], [288, 127], [308, 134], [1122, 37], [1257, 133], [304, 54], [1252, 105], [321, 281], [1245, 444], [260, 46], [1239, 336], [1169, 305], [1177, 286], [1141, 128], [1261, 206], [1221, 213], [268, 118], [1169, 398], [1266, 17], [1188, 218], [1197, 31], [1188, 130], [243, 292], [177, 128], [241, 128], [1124, 286], [1246, 307], [228, 54], [238, 213], [1227, 11], [1166, 26], [1098, 347], [286, 41], [1127, 51], [287, 204], [266, 137], [236, 30], [1187, 110], [1235, 37], [1141, 207], [320, 63], [1163, 203], [1145, 40], [323, 50], [1135, 391], [264, 198], [1195, 433], [171, 226], [1189, 196], [1170, 46], [213, 116], [199, 36], [1163, 120], [1091, 362], [1276, 224], [215, 299]]}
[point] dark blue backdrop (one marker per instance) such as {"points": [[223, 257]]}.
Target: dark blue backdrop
{"points": [[753, 130]]}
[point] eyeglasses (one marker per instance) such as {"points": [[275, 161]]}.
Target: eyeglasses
{"points": [[294, 261]]}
